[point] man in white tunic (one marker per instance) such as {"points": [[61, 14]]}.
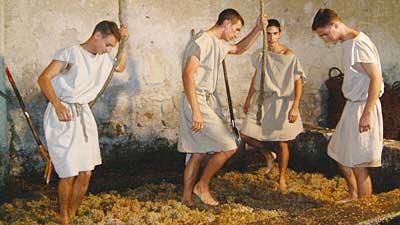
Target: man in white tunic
{"points": [[73, 78], [358, 138], [283, 85], [202, 127]]}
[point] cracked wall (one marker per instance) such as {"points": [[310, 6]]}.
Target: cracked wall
{"points": [[141, 104]]}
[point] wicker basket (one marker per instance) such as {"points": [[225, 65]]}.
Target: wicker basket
{"points": [[391, 111], [336, 100]]}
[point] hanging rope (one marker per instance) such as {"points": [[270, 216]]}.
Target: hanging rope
{"points": [[260, 100], [120, 49]]}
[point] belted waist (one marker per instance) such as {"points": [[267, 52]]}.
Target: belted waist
{"points": [[210, 97], [273, 94], [77, 110], [204, 93], [356, 101]]}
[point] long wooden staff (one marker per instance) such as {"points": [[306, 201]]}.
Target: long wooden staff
{"points": [[260, 99], [43, 151], [239, 141], [120, 49]]}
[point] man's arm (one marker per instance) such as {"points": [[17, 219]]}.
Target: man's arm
{"points": [[121, 61], [294, 111], [248, 41], [374, 90], [189, 86], [121, 58], [44, 81], [250, 93]]}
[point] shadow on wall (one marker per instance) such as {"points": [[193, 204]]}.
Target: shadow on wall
{"points": [[23, 151], [107, 104], [4, 142]]}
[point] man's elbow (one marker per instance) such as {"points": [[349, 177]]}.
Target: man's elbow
{"points": [[119, 69], [240, 50], [237, 50], [376, 78], [184, 77], [40, 81]]}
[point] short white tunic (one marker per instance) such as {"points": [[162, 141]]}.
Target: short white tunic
{"points": [[348, 146], [282, 72], [74, 145], [215, 137]]}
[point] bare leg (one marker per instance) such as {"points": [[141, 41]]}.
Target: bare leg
{"points": [[364, 183], [80, 187], [261, 147], [189, 177], [351, 183], [253, 142], [213, 165], [283, 164], [65, 186]]}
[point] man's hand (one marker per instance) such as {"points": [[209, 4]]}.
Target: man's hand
{"points": [[293, 114], [246, 106], [123, 31], [197, 121], [62, 112], [365, 122], [261, 20]]}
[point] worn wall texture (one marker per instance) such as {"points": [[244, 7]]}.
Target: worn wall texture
{"points": [[141, 104], [4, 157]]}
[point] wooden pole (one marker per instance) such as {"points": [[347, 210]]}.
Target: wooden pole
{"points": [[120, 49], [260, 99], [35, 132]]}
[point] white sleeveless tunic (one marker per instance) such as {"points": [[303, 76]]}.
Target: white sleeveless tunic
{"points": [[348, 146], [74, 146], [215, 137], [282, 72]]}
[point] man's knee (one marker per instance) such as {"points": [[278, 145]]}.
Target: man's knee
{"points": [[198, 157], [67, 180], [230, 153], [249, 140], [244, 137], [85, 174], [360, 172]]}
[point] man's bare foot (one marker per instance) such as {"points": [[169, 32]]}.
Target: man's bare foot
{"points": [[269, 157], [64, 220], [188, 202], [347, 199], [205, 196], [282, 185]]}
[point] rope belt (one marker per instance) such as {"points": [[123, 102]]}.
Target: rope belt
{"points": [[77, 111], [355, 101], [210, 98]]}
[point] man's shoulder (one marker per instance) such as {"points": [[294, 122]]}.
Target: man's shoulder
{"points": [[363, 42], [363, 39], [68, 50], [288, 51]]}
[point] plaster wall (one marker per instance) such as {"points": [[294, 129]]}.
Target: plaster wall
{"points": [[142, 104]]}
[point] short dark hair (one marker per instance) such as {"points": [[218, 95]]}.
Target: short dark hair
{"points": [[274, 23], [324, 17], [229, 14], [106, 28]]}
